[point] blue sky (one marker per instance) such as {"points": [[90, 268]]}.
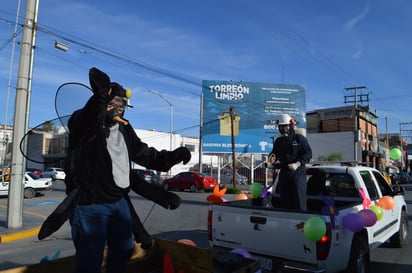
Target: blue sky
{"points": [[171, 46]]}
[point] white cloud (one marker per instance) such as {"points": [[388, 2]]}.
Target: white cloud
{"points": [[351, 24]]}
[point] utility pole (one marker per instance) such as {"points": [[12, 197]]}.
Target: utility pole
{"points": [[361, 98], [201, 134], [232, 134], [21, 113], [405, 134]]}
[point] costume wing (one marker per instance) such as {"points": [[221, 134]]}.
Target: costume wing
{"points": [[47, 142]]}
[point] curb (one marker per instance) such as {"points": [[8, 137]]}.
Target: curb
{"points": [[22, 234], [19, 235]]}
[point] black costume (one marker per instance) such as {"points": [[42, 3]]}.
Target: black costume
{"points": [[292, 148], [89, 165]]}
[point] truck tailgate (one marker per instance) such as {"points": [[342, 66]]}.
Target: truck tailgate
{"points": [[268, 232]]}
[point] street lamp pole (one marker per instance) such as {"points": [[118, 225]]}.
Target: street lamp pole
{"points": [[154, 92]]}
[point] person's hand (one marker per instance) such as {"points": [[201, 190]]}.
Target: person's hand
{"points": [[172, 201], [182, 154], [294, 166]]}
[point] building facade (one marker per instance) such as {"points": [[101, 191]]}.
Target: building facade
{"points": [[349, 133]]}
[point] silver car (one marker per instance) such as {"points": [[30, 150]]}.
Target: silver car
{"points": [[226, 177], [54, 173]]}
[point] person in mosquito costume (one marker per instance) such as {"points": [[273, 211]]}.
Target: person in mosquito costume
{"points": [[102, 145]]}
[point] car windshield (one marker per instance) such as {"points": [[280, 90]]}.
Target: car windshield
{"points": [[32, 175], [201, 174]]}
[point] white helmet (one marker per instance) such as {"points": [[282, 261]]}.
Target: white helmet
{"points": [[285, 119]]}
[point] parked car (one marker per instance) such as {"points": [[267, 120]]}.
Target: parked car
{"points": [[33, 184], [402, 178], [147, 175], [193, 181], [4, 174], [54, 173], [259, 174], [226, 177]]}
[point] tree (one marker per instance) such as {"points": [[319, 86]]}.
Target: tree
{"points": [[335, 156]]}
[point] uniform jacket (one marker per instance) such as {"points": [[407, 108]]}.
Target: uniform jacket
{"points": [[292, 148]]}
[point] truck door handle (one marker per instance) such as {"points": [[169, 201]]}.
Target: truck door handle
{"points": [[258, 220]]}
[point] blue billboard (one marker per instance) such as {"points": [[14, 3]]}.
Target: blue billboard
{"points": [[255, 109]]}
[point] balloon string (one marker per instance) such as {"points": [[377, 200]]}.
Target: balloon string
{"points": [[147, 216]]}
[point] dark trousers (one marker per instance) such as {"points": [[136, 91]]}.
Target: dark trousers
{"points": [[99, 225], [292, 188]]}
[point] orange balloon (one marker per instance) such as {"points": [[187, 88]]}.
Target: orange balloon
{"points": [[241, 196], [186, 242], [386, 202]]}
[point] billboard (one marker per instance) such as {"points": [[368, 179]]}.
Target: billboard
{"points": [[255, 109]]}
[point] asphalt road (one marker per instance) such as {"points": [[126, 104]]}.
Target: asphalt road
{"points": [[189, 221]]}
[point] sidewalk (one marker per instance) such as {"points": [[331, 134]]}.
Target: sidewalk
{"points": [[31, 225]]}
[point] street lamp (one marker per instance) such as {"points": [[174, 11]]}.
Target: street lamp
{"points": [[61, 46], [154, 92]]}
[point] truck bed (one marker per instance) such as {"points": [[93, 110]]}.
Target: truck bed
{"points": [[314, 203]]}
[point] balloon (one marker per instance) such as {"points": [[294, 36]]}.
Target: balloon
{"points": [[217, 196], [314, 228], [256, 189], [395, 153], [368, 216], [186, 242], [241, 196], [386, 202], [242, 252], [378, 211], [354, 222]]}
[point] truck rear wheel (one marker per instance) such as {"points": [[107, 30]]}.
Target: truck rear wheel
{"points": [[359, 255], [400, 238]]}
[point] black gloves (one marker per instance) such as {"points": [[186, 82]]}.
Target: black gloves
{"points": [[181, 154], [166, 199]]}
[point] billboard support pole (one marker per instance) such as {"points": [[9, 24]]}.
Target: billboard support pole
{"points": [[232, 134]]}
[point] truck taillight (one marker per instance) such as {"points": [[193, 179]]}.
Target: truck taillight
{"points": [[323, 245], [209, 224]]}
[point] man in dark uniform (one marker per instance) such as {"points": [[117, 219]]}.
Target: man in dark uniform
{"points": [[292, 152]]}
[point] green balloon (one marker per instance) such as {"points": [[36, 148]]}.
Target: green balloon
{"points": [[378, 211], [256, 189], [314, 228], [395, 154]]}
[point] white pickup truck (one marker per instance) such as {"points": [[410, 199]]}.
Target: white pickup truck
{"points": [[276, 237]]}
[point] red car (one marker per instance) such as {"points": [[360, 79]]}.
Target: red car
{"points": [[193, 181]]}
